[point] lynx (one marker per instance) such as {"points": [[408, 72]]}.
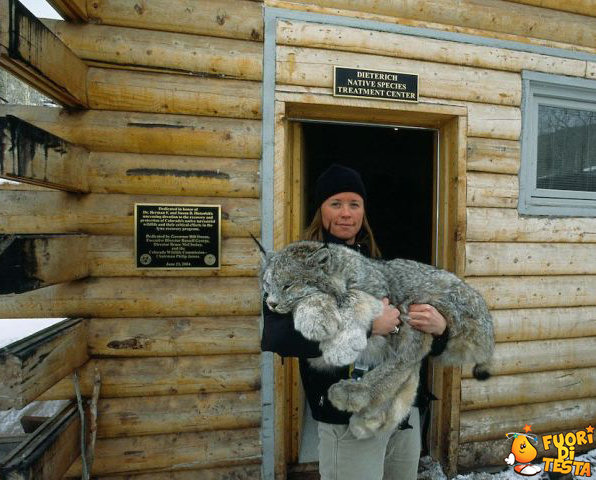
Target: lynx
{"points": [[335, 293]]}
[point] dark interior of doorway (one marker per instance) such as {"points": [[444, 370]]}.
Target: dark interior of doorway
{"points": [[396, 165]]}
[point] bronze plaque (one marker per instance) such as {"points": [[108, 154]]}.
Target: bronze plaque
{"points": [[177, 236], [376, 84]]}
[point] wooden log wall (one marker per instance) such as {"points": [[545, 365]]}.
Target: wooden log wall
{"points": [[538, 274], [171, 113]]}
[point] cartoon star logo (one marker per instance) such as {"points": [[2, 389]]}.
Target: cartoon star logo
{"points": [[590, 429], [523, 453]]}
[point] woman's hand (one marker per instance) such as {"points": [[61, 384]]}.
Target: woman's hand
{"points": [[387, 321], [427, 318]]}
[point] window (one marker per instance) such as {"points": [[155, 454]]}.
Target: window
{"points": [[558, 165]]}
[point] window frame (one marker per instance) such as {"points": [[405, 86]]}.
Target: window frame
{"points": [[558, 91]]}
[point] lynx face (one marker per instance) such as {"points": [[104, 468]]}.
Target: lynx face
{"points": [[297, 272]]}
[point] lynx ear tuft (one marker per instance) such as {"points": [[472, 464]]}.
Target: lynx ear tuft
{"points": [[263, 252], [319, 258]]}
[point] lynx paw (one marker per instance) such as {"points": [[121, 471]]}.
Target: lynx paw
{"points": [[316, 319], [349, 395], [344, 348], [363, 427]]}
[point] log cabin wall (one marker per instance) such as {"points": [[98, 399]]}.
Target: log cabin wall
{"points": [[537, 273], [168, 99]]}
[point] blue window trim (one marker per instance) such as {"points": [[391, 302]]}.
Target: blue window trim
{"points": [[553, 90]]}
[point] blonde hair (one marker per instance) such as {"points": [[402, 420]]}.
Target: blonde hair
{"points": [[315, 232]]}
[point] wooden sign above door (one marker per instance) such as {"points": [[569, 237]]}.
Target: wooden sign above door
{"points": [[380, 85]]}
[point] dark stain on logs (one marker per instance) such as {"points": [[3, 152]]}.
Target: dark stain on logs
{"points": [[135, 343], [153, 125], [18, 265], [174, 172]]}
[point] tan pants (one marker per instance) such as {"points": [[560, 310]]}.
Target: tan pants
{"points": [[392, 456]]}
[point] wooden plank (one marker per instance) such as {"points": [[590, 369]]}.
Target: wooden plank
{"points": [[30, 262], [111, 256], [492, 190], [137, 297], [536, 291], [491, 15], [29, 50], [510, 258], [146, 133], [505, 225], [314, 67], [109, 214], [144, 337], [49, 452], [541, 355], [110, 172], [494, 423], [494, 121], [155, 376], [173, 52], [494, 156], [32, 365], [583, 7], [110, 89], [591, 70], [241, 472], [528, 388], [33, 156], [301, 34], [180, 451], [544, 323], [71, 10], [128, 417], [493, 452], [219, 18]]}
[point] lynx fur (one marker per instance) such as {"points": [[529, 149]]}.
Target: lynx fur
{"points": [[335, 293]]}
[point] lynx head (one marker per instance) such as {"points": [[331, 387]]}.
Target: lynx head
{"points": [[299, 270]]}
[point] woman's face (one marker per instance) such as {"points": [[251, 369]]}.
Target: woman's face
{"points": [[342, 215]]}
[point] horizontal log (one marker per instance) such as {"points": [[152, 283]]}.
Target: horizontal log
{"points": [[544, 323], [505, 225], [110, 89], [47, 453], [494, 156], [537, 291], [528, 388], [493, 423], [182, 451], [30, 51], [314, 67], [173, 175], [492, 190], [30, 262], [493, 452], [128, 417], [541, 355], [491, 15], [146, 133], [218, 18], [510, 258], [109, 214], [71, 10], [32, 365], [494, 121], [110, 256], [241, 472], [301, 34], [173, 52], [147, 377], [34, 156], [143, 337], [591, 70], [137, 297], [583, 7]]}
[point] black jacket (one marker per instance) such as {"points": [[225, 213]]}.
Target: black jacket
{"points": [[280, 336]]}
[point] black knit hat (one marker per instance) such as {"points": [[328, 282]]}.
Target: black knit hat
{"points": [[338, 179]]}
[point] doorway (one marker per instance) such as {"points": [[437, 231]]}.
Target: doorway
{"points": [[398, 166]]}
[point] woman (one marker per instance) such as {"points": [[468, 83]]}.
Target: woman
{"points": [[341, 218]]}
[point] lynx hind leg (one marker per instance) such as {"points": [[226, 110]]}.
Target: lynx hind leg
{"points": [[344, 348], [387, 416], [317, 316]]}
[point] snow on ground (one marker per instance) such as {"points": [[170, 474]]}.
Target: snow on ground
{"points": [[13, 329], [10, 420]]}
